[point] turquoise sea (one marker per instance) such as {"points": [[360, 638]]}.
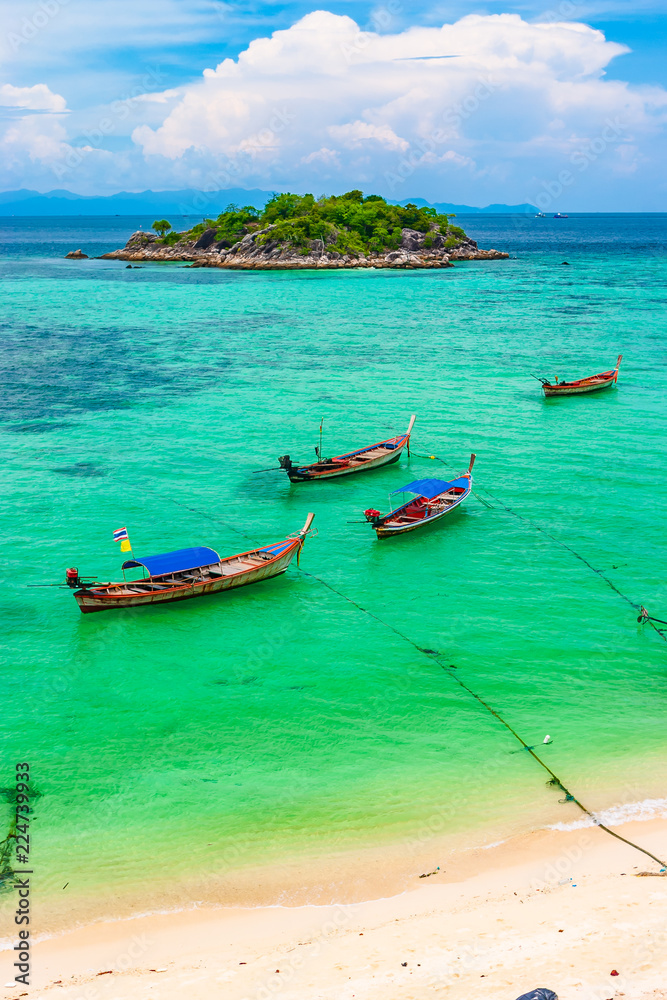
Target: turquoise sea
{"points": [[281, 722]]}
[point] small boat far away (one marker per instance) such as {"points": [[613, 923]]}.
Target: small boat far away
{"points": [[559, 215], [540, 215], [432, 499], [187, 573], [372, 457], [582, 385]]}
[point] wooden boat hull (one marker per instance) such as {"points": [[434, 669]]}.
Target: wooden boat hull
{"points": [[375, 456], [433, 500], [388, 531], [106, 599], [578, 387], [296, 476], [577, 390]]}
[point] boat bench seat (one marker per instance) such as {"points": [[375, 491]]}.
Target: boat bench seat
{"points": [[231, 569]]}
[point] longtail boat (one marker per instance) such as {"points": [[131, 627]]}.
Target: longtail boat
{"points": [[372, 457], [187, 573], [579, 386], [432, 500]]}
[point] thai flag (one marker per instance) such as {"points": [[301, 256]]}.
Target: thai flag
{"points": [[119, 535]]}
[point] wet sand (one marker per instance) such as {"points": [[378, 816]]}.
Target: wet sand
{"points": [[554, 909]]}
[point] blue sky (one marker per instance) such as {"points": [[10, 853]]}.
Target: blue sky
{"points": [[562, 105]]}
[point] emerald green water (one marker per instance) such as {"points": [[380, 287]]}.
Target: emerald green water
{"points": [[279, 721]]}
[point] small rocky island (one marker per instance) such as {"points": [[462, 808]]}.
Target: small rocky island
{"points": [[299, 231]]}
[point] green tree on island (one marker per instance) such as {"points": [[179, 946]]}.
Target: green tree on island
{"points": [[161, 226], [351, 223]]}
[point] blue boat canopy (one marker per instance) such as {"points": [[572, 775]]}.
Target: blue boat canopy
{"points": [[432, 487], [175, 562]]}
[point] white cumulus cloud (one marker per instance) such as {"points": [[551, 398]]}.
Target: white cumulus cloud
{"points": [[488, 108], [37, 98], [35, 133], [487, 95], [357, 134]]}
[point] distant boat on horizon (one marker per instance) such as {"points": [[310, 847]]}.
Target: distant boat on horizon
{"points": [[558, 215], [540, 215]]}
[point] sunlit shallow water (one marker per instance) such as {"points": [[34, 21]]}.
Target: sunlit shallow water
{"points": [[281, 721]]}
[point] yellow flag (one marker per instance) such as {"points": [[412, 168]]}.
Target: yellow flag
{"points": [[125, 545]]}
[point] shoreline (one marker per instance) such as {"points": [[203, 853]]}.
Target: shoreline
{"points": [[320, 875], [251, 253], [549, 908], [396, 261], [556, 909]]}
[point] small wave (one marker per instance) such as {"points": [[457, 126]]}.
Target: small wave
{"points": [[630, 812]]}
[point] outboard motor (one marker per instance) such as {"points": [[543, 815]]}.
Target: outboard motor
{"points": [[72, 577], [285, 462], [372, 515]]}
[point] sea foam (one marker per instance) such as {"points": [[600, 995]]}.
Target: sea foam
{"points": [[629, 812]]}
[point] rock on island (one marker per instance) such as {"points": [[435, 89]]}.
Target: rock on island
{"points": [[299, 231]]}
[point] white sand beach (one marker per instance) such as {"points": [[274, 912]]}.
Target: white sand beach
{"points": [[554, 909]]}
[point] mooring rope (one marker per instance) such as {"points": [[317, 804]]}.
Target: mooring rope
{"points": [[194, 510], [558, 541], [644, 616], [449, 466], [434, 655], [544, 531]]}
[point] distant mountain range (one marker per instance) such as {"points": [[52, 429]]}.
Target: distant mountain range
{"points": [[444, 207], [197, 204]]}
